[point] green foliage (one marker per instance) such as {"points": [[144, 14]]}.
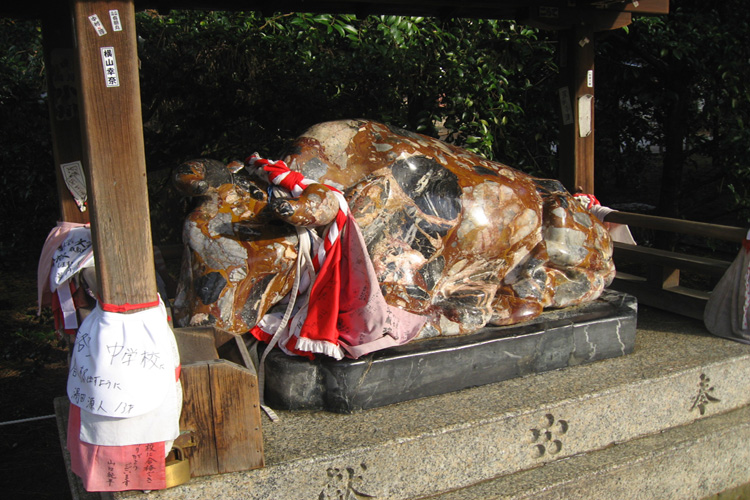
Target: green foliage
{"points": [[236, 82], [226, 84], [27, 185], [681, 81]]}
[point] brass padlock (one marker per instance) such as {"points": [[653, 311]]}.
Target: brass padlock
{"points": [[177, 468]]}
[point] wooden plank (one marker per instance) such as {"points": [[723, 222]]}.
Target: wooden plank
{"points": [[195, 344], [725, 233], [663, 277], [633, 253], [62, 90], [613, 21], [647, 7], [544, 17], [505, 9], [237, 426], [247, 358], [197, 416], [113, 138], [221, 337]]}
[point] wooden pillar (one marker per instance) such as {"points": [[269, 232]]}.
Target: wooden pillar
{"points": [[577, 103], [62, 92], [112, 131]]}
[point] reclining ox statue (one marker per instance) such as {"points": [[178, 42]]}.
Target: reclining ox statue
{"points": [[454, 238]]}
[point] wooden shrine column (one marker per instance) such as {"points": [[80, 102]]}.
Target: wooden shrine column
{"points": [[62, 96], [577, 25], [577, 108], [112, 132]]}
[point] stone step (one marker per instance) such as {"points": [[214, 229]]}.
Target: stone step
{"points": [[677, 375], [693, 461]]}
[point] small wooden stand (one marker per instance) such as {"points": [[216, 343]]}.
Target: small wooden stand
{"points": [[221, 407]]}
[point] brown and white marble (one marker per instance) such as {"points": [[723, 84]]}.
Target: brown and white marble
{"points": [[459, 239]]}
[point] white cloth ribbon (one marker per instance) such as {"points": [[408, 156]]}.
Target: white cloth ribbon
{"points": [[123, 365], [618, 232]]}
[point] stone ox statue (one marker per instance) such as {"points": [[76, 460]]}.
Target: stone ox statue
{"points": [[458, 239]]}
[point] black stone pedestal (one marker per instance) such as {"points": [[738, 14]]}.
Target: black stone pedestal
{"points": [[602, 329]]}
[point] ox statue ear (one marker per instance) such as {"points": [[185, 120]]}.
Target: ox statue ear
{"points": [[235, 166]]}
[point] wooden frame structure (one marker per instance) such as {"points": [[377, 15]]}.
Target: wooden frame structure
{"points": [[106, 133], [108, 138], [93, 43]]}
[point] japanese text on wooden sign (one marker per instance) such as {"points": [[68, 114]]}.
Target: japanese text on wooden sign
{"points": [[109, 63]]}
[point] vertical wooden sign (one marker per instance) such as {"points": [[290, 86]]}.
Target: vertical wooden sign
{"points": [[112, 131]]}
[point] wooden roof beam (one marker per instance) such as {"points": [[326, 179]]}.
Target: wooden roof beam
{"points": [[490, 9]]}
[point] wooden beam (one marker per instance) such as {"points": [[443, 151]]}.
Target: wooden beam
{"points": [[654, 256], [556, 18], [62, 91], [703, 229], [110, 108], [647, 7], [222, 409], [577, 102]]}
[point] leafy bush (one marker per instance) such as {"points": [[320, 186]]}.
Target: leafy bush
{"points": [[226, 84], [223, 84], [27, 186]]}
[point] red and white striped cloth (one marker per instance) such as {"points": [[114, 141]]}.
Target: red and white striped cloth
{"points": [[343, 311], [279, 174]]}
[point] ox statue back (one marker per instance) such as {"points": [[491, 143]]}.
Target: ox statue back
{"points": [[454, 238]]}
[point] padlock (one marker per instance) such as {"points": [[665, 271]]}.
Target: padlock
{"points": [[177, 469]]}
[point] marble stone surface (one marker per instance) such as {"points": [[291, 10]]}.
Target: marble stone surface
{"points": [[460, 241], [590, 332], [679, 377]]}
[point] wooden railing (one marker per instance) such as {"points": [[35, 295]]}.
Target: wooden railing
{"points": [[659, 282]]}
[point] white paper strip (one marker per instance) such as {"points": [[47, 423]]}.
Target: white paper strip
{"points": [[584, 115], [109, 63], [76, 182], [114, 17]]}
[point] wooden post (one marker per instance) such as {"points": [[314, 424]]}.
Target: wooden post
{"points": [[112, 132], [577, 102], [62, 91]]}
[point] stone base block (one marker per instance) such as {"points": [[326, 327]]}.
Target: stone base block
{"points": [[599, 330]]}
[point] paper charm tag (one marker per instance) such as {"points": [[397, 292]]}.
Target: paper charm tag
{"points": [[76, 182]]}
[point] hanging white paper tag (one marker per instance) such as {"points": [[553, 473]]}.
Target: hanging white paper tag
{"points": [[584, 115], [76, 182]]}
